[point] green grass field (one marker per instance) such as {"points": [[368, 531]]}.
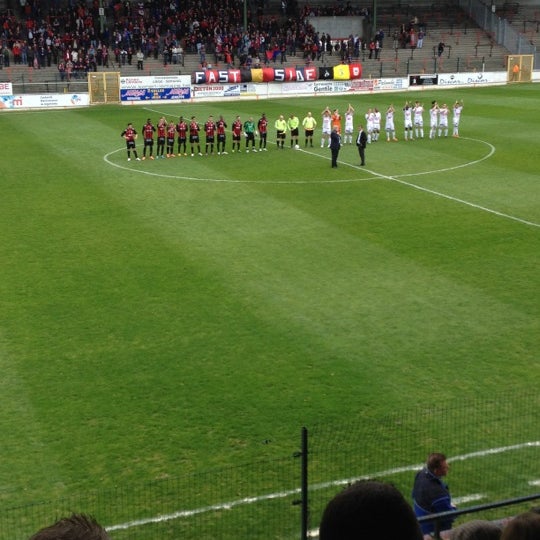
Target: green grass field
{"points": [[167, 317]]}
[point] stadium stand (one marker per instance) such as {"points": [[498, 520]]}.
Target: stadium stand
{"points": [[61, 44]]}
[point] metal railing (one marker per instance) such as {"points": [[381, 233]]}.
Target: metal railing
{"points": [[441, 516], [500, 29]]}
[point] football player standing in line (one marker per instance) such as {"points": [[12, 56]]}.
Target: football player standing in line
{"points": [[148, 135], [221, 135], [249, 130], [236, 134], [130, 135], [262, 127], [194, 129], [326, 127], [443, 120], [389, 126], [458, 107], [433, 119], [349, 127], [418, 111], [336, 121], [171, 134], [161, 133], [182, 129], [407, 122], [210, 132], [376, 124]]}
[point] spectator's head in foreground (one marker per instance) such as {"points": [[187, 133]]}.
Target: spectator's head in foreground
{"points": [[74, 527], [523, 527], [477, 529], [369, 509]]}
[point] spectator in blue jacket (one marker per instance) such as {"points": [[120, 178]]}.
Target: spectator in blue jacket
{"points": [[430, 494]]}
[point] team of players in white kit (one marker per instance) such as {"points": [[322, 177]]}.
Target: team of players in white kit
{"points": [[413, 122]]}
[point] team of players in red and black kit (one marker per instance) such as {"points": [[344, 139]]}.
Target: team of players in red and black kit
{"points": [[185, 134], [184, 137]]}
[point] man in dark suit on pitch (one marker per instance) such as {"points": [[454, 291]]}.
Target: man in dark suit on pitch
{"points": [[335, 145], [361, 142]]}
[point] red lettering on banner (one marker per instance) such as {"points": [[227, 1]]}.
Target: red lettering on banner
{"points": [[310, 73], [234, 76], [212, 76], [290, 74]]}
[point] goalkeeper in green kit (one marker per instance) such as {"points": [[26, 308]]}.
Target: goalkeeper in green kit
{"points": [[249, 131]]}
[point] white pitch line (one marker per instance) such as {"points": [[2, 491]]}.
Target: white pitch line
{"points": [[466, 203], [202, 510], [345, 481], [398, 179], [392, 178], [468, 498], [491, 451]]}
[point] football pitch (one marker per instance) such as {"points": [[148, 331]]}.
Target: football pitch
{"points": [[171, 316]]}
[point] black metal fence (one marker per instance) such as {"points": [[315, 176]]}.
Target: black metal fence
{"points": [[493, 448]]}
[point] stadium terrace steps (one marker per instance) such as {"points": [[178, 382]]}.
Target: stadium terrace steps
{"points": [[468, 48]]}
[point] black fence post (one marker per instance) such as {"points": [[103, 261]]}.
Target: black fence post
{"points": [[303, 500], [304, 485]]}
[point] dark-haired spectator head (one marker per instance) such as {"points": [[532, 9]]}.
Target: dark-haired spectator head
{"points": [[369, 509], [477, 529], [437, 464], [74, 527], [525, 526]]}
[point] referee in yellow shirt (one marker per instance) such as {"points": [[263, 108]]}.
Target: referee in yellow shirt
{"points": [[293, 123], [281, 128], [309, 124]]}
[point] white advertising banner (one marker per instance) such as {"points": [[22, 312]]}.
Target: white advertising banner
{"points": [[43, 101], [210, 90], [297, 88], [399, 83], [472, 79], [165, 81], [6, 89]]}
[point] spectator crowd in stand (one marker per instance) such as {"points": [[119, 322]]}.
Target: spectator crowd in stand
{"points": [[77, 39]]}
